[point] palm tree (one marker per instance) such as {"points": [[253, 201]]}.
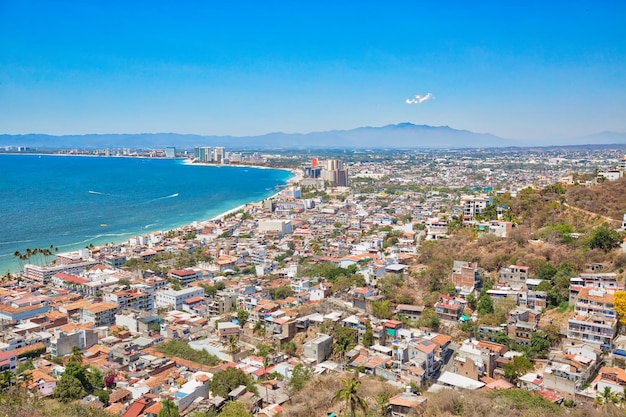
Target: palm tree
{"points": [[266, 363], [233, 345], [348, 394], [7, 379], [76, 355], [168, 409], [607, 396]]}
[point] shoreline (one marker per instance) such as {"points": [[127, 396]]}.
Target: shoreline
{"points": [[294, 178]]}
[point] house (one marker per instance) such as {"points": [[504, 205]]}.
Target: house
{"points": [[226, 329], [613, 378], [405, 403], [423, 353], [318, 349], [522, 324], [411, 312], [467, 367], [185, 276], [466, 276], [500, 228], [593, 328], [449, 308], [595, 300], [514, 275], [8, 361]]}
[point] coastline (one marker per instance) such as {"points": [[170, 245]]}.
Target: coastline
{"points": [[111, 236]]}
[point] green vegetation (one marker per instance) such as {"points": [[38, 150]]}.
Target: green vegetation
{"points": [[604, 238], [349, 395], [227, 380], [368, 336], [182, 350], [299, 378], [168, 409], [281, 293], [520, 366], [234, 409], [78, 381]]}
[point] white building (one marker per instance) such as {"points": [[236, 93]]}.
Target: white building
{"points": [[283, 227], [170, 298]]}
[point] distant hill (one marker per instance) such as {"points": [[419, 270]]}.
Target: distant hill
{"points": [[396, 136], [402, 135]]}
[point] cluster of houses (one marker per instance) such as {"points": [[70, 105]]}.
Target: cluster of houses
{"points": [[117, 315]]}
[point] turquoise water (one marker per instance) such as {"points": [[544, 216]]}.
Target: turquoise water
{"points": [[72, 201]]}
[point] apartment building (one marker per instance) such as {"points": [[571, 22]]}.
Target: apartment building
{"points": [[595, 300], [185, 276], [592, 328], [134, 298], [61, 343], [449, 308], [101, 314], [169, 298], [514, 275]]}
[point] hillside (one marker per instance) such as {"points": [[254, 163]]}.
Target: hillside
{"points": [[315, 400], [607, 199]]}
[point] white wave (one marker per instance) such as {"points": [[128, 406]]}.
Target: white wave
{"points": [[91, 238], [150, 225], [16, 241]]}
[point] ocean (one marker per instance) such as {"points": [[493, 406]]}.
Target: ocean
{"points": [[71, 202]]}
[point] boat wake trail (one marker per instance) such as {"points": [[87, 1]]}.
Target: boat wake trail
{"points": [[98, 193], [164, 198]]}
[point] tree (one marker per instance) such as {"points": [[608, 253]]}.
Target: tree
{"points": [[517, 368], [485, 305], [68, 389], [76, 355], [77, 371], [471, 301], [299, 378], [7, 379], [242, 317], [539, 344], [552, 333], [95, 378], [619, 301], [604, 238], [234, 409], [289, 348], [368, 336], [168, 409], [227, 380], [266, 364], [348, 394], [345, 339], [103, 396], [233, 345], [606, 397], [382, 309], [264, 350]]}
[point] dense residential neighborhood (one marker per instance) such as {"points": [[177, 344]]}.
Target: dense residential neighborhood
{"points": [[337, 274]]}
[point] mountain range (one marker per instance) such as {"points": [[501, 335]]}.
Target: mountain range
{"points": [[393, 136]]}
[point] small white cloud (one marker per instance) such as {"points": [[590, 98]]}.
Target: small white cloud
{"points": [[419, 99]]}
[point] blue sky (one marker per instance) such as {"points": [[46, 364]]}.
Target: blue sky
{"points": [[515, 69]]}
